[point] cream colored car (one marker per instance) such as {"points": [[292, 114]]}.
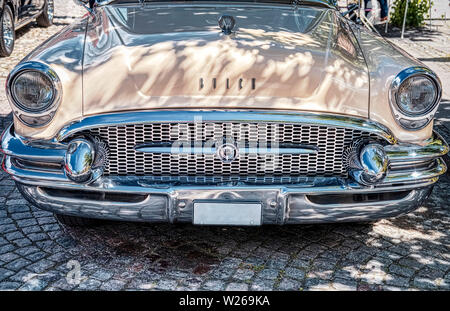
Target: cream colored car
{"points": [[222, 113]]}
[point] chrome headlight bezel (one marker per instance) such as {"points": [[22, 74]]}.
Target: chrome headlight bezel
{"points": [[403, 118], [44, 115]]}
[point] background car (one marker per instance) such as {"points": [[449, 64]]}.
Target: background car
{"points": [[15, 14]]}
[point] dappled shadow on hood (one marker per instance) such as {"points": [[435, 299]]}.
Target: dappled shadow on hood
{"points": [[312, 66]]}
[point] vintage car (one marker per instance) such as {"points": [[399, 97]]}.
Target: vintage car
{"points": [[222, 113], [15, 14]]}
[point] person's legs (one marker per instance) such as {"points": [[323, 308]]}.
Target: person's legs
{"points": [[384, 9], [367, 8]]}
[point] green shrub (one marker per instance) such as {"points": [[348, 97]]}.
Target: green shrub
{"points": [[417, 10]]}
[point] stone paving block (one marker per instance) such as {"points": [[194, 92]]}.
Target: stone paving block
{"points": [[32, 229], [8, 257], [401, 270], [34, 284], [47, 220], [15, 202], [36, 256], [41, 213], [18, 216], [26, 222], [15, 207], [243, 274], [221, 272], [236, 287], [397, 281], [37, 236], [5, 221], [14, 235], [22, 242], [259, 284], [25, 251], [7, 228], [344, 284], [167, 284], [90, 284], [214, 285], [3, 241], [289, 284], [5, 273], [317, 284], [190, 283], [294, 273], [9, 285], [142, 284], [17, 264], [41, 266], [270, 274], [22, 276]]}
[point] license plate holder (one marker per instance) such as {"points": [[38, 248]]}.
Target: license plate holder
{"points": [[227, 213]]}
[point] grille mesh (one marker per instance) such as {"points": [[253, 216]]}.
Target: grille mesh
{"points": [[125, 160]]}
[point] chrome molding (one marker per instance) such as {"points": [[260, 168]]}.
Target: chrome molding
{"points": [[133, 184], [434, 147], [395, 85], [48, 112], [12, 145], [439, 168], [184, 116], [213, 150]]}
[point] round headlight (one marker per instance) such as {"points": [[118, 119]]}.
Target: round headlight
{"points": [[414, 97], [417, 95], [32, 91]]}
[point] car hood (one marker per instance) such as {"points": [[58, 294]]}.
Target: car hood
{"points": [[176, 56]]}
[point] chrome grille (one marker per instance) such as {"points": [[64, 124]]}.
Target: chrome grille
{"points": [[125, 160]]}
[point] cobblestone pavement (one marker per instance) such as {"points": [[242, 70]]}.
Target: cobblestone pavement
{"points": [[37, 253]]}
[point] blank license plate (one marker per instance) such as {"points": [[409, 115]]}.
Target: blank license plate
{"points": [[223, 213]]}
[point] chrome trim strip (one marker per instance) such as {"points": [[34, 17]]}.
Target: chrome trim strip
{"points": [[213, 150], [17, 147], [15, 171], [302, 210], [409, 176], [185, 116], [434, 147], [153, 208], [399, 181]]}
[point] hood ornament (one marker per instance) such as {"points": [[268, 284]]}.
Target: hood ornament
{"points": [[227, 23]]}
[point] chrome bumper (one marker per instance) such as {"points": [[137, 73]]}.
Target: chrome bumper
{"points": [[316, 200]]}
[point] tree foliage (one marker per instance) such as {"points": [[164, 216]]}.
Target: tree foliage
{"points": [[417, 10]]}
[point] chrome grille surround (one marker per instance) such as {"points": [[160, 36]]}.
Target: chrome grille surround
{"points": [[124, 160]]}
